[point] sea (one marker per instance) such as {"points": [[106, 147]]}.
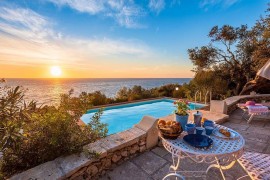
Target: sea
{"points": [[47, 91]]}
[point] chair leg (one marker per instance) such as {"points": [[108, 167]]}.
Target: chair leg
{"points": [[250, 118], [245, 111], [243, 167]]}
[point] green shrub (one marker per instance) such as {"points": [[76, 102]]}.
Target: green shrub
{"points": [[32, 135], [123, 94], [138, 92]]}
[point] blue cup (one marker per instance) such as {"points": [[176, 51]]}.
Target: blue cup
{"points": [[208, 123], [208, 130], [190, 128], [199, 130]]}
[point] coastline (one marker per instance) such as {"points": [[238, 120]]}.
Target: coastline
{"points": [[48, 90]]}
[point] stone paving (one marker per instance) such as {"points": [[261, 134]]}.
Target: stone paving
{"points": [[256, 134], [155, 164]]}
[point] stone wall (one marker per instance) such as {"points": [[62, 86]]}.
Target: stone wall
{"points": [[233, 101], [100, 165], [111, 150]]}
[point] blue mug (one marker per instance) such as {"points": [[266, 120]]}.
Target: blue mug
{"points": [[208, 130], [190, 128], [199, 130], [208, 123]]}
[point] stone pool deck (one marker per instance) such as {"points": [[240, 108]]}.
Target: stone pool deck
{"points": [[154, 164]]}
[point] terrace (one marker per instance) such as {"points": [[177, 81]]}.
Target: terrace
{"points": [[138, 152], [155, 163]]}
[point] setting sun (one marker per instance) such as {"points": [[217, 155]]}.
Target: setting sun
{"points": [[56, 71]]}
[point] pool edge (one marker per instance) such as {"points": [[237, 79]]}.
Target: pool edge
{"points": [[132, 103]]}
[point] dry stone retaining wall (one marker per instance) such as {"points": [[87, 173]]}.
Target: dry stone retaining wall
{"points": [[112, 150], [98, 167]]}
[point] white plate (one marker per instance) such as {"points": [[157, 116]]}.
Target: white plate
{"points": [[234, 134]]}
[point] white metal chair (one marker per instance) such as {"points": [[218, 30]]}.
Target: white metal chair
{"points": [[257, 165]]}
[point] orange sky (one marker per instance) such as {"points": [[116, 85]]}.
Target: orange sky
{"points": [[83, 58], [30, 46], [111, 39], [18, 71]]}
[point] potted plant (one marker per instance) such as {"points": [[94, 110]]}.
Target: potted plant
{"points": [[181, 112]]}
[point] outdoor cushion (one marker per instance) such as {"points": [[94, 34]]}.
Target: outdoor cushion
{"points": [[250, 103]]}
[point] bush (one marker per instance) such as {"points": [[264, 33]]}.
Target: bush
{"points": [[166, 90], [138, 92], [123, 94], [32, 135], [134, 93]]}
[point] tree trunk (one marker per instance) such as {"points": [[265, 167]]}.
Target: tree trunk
{"points": [[259, 85], [237, 89]]}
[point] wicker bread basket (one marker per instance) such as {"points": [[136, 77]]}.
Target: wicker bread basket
{"points": [[168, 133]]}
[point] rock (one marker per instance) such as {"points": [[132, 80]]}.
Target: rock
{"points": [[103, 172], [142, 142], [78, 174], [115, 158], [110, 154], [134, 149], [142, 148], [124, 153], [98, 164], [107, 163], [118, 153], [80, 177], [92, 170]]}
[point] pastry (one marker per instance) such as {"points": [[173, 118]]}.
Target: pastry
{"points": [[161, 122], [225, 132], [169, 123], [177, 124]]}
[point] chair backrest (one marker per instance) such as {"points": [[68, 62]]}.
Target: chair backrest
{"points": [[218, 106], [256, 164]]}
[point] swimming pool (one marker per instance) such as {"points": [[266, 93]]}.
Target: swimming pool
{"points": [[123, 117]]}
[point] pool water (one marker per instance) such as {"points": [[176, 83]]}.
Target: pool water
{"points": [[123, 117]]}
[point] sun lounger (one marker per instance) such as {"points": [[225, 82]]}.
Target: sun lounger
{"points": [[252, 110]]}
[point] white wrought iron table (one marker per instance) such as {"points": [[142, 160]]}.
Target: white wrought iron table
{"points": [[222, 154]]}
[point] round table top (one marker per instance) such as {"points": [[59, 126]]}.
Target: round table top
{"points": [[221, 146]]}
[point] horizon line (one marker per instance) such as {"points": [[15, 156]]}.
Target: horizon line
{"points": [[107, 78]]}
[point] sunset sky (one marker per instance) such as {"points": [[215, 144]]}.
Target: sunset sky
{"points": [[111, 38]]}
